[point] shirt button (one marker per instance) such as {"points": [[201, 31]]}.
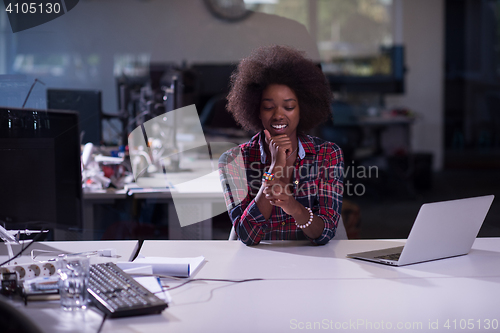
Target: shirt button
{"points": [[296, 182], [283, 223]]}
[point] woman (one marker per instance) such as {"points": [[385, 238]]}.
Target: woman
{"points": [[289, 184]]}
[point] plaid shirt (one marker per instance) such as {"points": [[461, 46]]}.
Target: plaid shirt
{"points": [[317, 184]]}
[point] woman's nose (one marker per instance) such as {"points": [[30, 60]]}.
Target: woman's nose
{"points": [[278, 113]]}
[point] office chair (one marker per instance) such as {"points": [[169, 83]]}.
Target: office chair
{"points": [[12, 320], [232, 234], [340, 234]]}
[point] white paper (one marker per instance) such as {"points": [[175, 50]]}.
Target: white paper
{"points": [[181, 267], [151, 283], [135, 269]]}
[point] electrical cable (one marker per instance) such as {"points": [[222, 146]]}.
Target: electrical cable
{"points": [[102, 323], [23, 249], [29, 92], [213, 280], [194, 280], [113, 127]]}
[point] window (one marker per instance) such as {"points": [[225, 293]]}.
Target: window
{"points": [[352, 35]]}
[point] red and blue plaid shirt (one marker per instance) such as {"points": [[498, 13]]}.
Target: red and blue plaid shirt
{"points": [[317, 184]]}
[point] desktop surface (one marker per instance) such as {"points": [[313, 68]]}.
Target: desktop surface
{"points": [[126, 250], [312, 287]]}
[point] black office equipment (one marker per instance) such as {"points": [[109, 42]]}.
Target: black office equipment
{"points": [[87, 103], [13, 320], [212, 87], [40, 170], [141, 98], [389, 83], [29, 92], [117, 294]]}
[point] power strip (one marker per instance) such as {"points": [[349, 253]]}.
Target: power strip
{"points": [[46, 268], [30, 270]]}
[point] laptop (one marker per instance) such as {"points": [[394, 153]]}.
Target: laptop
{"points": [[441, 230]]}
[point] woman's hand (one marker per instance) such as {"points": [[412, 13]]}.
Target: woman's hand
{"points": [[280, 147], [280, 194]]}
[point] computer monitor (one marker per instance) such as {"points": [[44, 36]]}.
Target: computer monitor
{"points": [[87, 103], [389, 83], [40, 170]]}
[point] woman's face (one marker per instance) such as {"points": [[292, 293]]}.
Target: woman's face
{"points": [[279, 110]]}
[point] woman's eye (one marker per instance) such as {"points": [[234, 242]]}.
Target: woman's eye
{"points": [[289, 108]]}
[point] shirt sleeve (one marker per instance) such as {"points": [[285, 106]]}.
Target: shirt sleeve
{"points": [[330, 191], [249, 223]]}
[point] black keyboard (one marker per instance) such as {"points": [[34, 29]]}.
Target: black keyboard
{"points": [[394, 256], [117, 294]]}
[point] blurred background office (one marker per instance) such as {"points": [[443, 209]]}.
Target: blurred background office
{"points": [[415, 83]]}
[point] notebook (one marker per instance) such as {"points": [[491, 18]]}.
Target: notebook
{"points": [[441, 230]]}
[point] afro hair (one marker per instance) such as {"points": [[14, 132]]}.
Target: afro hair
{"points": [[284, 65]]}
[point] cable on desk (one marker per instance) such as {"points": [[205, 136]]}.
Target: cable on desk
{"points": [[216, 280], [102, 323], [194, 280], [23, 249], [33, 255], [139, 247]]}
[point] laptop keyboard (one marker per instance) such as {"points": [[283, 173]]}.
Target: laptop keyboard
{"points": [[393, 256]]}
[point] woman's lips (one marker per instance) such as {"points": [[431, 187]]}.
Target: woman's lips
{"points": [[279, 128]]}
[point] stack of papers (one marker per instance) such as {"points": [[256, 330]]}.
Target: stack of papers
{"points": [[133, 188]]}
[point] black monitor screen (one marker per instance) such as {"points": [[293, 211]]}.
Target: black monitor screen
{"points": [[88, 105], [40, 171]]}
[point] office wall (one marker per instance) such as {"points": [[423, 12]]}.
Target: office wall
{"points": [[95, 33], [423, 37], [3, 43], [91, 37]]}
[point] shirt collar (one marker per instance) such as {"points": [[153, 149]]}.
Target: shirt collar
{"points": [[263, 156]]}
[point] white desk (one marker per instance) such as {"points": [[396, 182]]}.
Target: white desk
{"points": [[124, 249], [197, 196], [203, 204], [48, 315], [199, 204], [316, 284], [91, 198]]}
